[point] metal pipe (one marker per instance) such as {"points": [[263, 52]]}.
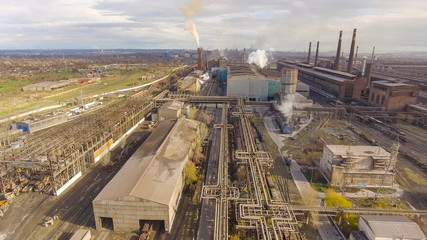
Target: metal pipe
{"points": [[350, 58], [317, 54], [309, 53], [337, 58]]}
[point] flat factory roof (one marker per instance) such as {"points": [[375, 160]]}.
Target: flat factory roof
{"points": [[153, 174], [393, 227], [358, 151], [172, 105]]}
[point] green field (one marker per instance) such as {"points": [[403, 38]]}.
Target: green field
{"points": [[7, 86]]}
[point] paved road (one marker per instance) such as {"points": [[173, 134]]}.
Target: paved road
{"points": [[207, 212], [325, 228]]}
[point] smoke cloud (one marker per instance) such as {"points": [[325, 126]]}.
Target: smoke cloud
{"points": [[259, 57], [287, 106], [189, 12]]}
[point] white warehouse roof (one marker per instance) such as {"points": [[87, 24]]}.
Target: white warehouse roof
{"points": [[154, 177]]}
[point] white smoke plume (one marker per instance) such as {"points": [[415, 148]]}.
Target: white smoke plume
{"points": [[189, 12], [287, 106], [259, 57]]}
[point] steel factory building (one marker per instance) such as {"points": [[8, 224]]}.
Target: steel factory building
{"points": [[245, 81], [339, 84], [393, 96], [149, 185]]}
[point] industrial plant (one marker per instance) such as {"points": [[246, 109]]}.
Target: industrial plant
{"points": [[226, 145]]}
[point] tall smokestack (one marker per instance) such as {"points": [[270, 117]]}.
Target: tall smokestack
{"points": [[199, 58], [337, 58], [350, 58], [317, 54], [355, 57], [309, 53]]}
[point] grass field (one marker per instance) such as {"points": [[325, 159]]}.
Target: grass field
{"points": [[15, 101], [7, 86]]}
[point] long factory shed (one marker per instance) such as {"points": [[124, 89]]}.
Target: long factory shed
{"points": [[149, 185]]}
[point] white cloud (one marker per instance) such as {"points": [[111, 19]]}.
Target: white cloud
{"points": [[390, 25]]}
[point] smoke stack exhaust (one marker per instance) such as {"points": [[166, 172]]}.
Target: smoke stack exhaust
{"points": [[317, 54], [350, 58], [309, 53], [199, 58], [337, 58]]}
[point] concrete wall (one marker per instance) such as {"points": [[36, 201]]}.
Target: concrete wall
{"points": [[365, 228], [127, 211], [249, 88]]}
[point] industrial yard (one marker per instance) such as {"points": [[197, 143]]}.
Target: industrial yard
{"points": [[217, 148]]}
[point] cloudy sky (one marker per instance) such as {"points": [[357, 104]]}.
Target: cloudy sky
{"points": [[390, 25]]}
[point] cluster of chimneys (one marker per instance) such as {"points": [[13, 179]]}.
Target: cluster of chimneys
{"points": [[337, 58]]}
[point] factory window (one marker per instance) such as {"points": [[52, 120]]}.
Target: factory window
{"points": [[372, 97], [378, 99], [382, 100]]}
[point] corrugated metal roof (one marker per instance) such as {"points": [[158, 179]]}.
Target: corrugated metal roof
{"points": [[393, 227], [154, 177]]}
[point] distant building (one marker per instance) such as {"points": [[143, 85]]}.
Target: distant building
{"points": [[34, 126], [148, 187], [46, 86], [170, 110], [387, 228], [393, 96], [357, 166]]}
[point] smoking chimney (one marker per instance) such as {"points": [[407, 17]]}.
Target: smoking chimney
{"points": [[337, 58], [317, 54], [199, 58], [309, 53], [350, 58]]}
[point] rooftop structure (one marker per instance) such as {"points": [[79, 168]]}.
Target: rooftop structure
{"points": [[361, 166], [389, 227], [149, 185]]}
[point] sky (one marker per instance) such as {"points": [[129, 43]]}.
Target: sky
{"points": [[286, 25]]}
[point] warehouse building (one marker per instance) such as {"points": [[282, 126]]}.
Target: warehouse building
{"points": [[170, 110], [357, 166], [245, 81], [34, 126], [149, 185], [393, 96], [387, 228]]}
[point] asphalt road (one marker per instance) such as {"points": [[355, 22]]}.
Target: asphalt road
{"points": [[207, 213]]}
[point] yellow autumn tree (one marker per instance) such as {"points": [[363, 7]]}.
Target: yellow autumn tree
{"points": [[190, 173]]}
